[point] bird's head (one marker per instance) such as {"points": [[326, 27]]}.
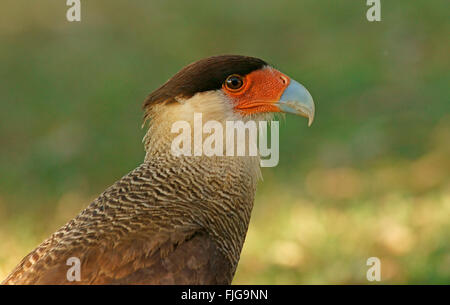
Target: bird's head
{"points": [[225, 88]]}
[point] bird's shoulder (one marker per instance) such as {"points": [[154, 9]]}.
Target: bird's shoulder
{"points": [[189, 258], [130, 234]]}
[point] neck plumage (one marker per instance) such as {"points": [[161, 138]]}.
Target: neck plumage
{"points": [[220, 189]]}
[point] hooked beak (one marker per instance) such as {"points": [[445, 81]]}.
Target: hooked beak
{"points": [[297, 100]]}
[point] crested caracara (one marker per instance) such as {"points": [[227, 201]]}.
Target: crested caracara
{"points": [[174, 219]]}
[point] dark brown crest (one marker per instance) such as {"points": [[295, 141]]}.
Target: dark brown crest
{"points": [[203, 75]]}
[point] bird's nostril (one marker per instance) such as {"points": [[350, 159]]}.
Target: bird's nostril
{"points": [[284, 79]]}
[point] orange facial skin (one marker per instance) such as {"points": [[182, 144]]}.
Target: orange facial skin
{"points": [[260, 91]]}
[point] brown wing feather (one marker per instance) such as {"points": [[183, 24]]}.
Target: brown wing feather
{"points": [[194, 260]]}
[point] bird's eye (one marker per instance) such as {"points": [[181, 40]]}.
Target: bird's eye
{"points": [[234, 82]]}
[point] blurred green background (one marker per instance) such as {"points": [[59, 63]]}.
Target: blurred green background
{"points": [[369, 178]]}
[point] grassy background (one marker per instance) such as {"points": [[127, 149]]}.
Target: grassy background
{"points": [[370, 178]]}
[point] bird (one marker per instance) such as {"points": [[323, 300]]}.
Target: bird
{"points": [[175, 219]]}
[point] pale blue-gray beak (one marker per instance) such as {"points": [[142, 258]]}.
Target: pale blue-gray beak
{"points": [[297, 100]]}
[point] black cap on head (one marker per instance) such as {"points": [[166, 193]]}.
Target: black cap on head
{"points": [[204, 75]]}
